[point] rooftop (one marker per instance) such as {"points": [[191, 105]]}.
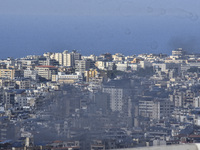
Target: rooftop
{"points": [[46, 66]]}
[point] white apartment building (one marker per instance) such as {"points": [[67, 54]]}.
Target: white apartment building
{"points": [[100, 65], [30, 73], [118, 57], [117, 97], [197, 101], [146, 108], [122, 66], [46, 72], [82, 65], [67, 78], [58, 57], [23, 83], [65, 58], [155, 108], [165, 67], [20, 100], [162, 108]]}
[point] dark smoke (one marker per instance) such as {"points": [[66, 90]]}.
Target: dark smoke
{"points": [[188, 43]]}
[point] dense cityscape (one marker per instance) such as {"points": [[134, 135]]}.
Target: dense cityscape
{"points": [[72, 102]]}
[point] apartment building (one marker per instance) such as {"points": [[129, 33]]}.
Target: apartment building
{"points": [[82, 65], [23, 83], [46, 72], [61, 77], [30, 73], [65, 58], [9, 73], [118, 94], [162, 108]]}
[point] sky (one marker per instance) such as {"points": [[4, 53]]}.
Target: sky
{"points": [[129, 27]]}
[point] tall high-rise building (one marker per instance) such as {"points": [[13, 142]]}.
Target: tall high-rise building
{"points": [[119, 94], [82, 65], [75, 56], [59, 58], [65, 58]]}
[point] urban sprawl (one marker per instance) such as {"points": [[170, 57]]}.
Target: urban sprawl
{"points": [[72, 102]]}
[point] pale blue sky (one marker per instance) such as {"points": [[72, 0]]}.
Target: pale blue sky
{"points": [[97, 26]]}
